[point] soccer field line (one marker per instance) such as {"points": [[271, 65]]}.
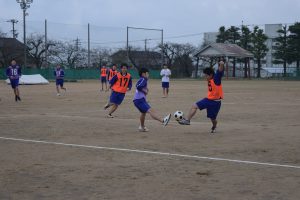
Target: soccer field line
{"points": [[153, 153]]}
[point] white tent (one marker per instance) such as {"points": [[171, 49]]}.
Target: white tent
{"points": [[34, 79]]}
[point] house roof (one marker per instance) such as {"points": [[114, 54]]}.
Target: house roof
{"points": [[223, 50]]}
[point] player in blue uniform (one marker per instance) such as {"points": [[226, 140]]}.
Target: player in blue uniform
{"points": [[13, 72], [141, 103], [59, 76]]}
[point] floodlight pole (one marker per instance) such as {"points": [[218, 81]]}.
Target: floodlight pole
{"points": [[24, 4]]}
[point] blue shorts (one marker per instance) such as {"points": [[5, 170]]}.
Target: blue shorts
{"points": [[14, 83], [116, 97], [103, 79], [141, 105], [165, 84], [212, 107], [60, 82]]}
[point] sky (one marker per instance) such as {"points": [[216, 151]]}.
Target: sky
{"points": [[182, 21]]}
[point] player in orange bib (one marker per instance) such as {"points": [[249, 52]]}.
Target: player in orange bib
{"points": [[103, 75], [212, 103], [112, 72], [119, 84]]}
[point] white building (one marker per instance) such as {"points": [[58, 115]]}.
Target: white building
{"points": [[271, 32]]}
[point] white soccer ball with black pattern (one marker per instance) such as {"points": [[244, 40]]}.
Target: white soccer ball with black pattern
{"points": [[178, 115]]}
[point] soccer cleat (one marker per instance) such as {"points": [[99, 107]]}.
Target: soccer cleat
{"points": [[109, 116], [106, 106], [184, 122], [213, 129], [166, 120], [143, 129]]}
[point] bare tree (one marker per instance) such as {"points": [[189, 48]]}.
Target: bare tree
{"points": [[37, 48]]}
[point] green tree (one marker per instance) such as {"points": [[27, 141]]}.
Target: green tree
{"points": [[294, 43], [258, 46], [222, 36], [233, 37], [245, 41], [282, 49]]}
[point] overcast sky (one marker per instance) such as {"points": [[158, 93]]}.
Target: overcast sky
{"points": [[175, 17]]}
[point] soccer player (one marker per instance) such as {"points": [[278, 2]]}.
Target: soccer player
{"points": [[103, 77], [112, 72], [141, 103], [119, 84], [13, 72], [59, 76], [165, 73], [212, 103]]}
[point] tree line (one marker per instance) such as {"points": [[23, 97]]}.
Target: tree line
{"points": [[179, 56]]}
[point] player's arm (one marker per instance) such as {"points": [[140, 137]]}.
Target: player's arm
{"points": [[113, 80], [221, 66], [130, 83], [141, 86]]}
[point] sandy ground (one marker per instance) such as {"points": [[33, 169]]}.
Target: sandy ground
{"points": [[258, 121]]}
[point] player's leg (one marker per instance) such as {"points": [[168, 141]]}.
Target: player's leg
{"points": [[116, 99], [164, 89], [62, 85], [106, 86], [112, 110], [142, 127], [154, 115], [167, 89], [18, 93], [212, 113], [214, 125], [202, 104]]}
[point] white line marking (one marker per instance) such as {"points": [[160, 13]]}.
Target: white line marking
{"points": [[154, 152]]}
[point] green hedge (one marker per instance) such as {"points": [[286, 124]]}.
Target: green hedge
{"points": [[75, 74]]}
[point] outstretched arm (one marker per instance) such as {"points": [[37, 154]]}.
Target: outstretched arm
{"points": [[221, 66]]}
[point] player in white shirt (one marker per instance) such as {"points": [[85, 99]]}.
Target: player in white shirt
{"points": [[165, 73]]}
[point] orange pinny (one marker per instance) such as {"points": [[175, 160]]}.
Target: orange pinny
{"points": [[121, 84]]}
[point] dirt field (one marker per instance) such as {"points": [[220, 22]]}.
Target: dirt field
{"points": [[258, 121]]}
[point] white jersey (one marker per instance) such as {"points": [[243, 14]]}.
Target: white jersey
{"points": [[165, 73]]}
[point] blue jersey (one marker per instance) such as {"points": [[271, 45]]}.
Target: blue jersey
{"points": [[13, 72], [218, 76], [59, 73], [141, 87]]}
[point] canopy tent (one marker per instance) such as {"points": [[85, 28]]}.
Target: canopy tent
{"points": [[216, 50], [34, 79]]}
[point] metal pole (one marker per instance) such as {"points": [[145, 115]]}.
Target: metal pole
{"points": [[127, 46], [46, 44], [162, 47], [89, 52], [24, 31]]}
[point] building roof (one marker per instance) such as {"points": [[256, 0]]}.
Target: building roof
{"points": [[223, 50]]}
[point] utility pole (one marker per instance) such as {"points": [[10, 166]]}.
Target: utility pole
{"points": [[25, 4], [14, 32], [89, 50]]}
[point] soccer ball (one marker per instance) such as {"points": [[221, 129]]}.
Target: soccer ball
{"points": [[178, 115]]}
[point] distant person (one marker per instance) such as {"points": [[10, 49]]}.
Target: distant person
{"points": [[59, 76], [119, 84], [103, 75], [165, 81], [13, 73], [112, 72], [141, 103], [212, 103]]}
